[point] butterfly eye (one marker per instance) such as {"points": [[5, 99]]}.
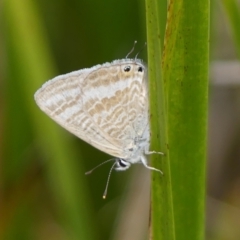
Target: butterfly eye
{"points": [[127, 69], [140, 69], [122, 163]]}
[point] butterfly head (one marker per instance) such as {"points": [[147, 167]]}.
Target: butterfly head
{"points": [[121, 164]]}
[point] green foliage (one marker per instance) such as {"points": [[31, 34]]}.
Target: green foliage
{"points": [[32, 57], [179, 117], [232, 8], [161, 204]]}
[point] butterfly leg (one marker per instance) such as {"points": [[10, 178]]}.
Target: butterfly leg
{"points": [[153, 152], [144, 162]]}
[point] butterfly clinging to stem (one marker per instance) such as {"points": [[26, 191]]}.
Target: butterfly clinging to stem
{"points": [[107, 106]]}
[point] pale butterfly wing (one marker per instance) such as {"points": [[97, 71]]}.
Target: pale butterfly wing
{"points": [[106, 105]]}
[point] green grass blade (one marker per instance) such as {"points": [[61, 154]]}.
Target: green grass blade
{"points": [[179, 117], [185, 70], [162, 222]]}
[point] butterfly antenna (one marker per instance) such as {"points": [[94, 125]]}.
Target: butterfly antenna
{"points": [[109, 175], [89, 172], [132, 49], [140, 50]]}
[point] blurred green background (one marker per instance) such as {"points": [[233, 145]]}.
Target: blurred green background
{"points": [[44, 193]]}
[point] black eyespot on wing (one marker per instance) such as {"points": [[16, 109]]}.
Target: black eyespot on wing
{"points": [[127, 69], [140, 69]]}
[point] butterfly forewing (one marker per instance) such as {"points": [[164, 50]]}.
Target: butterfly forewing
{"points": [[106, 105]]}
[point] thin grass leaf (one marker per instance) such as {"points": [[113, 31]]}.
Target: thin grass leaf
{"points": [[185, 70], [179, 115], [162, 222]]}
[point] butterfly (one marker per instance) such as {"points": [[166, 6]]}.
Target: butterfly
{"points": [[107, 106]]}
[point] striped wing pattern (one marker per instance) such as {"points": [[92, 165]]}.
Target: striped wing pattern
{"points": [[106, 105]]}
